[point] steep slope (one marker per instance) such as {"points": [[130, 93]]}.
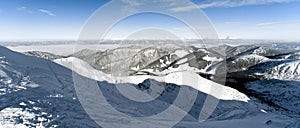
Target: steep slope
{"points": [[44, 55], [139, 60], [40, 93], [283, 94], [279, 69], [271, 74], [234, 64], [37, 93], [291, 55], [242, 63], [228, 111], [84, 69], [43, 94], [233, 51], [261, 50]]}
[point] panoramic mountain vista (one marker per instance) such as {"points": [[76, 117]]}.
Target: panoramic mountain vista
{"points": [[149, 64], [253, 93]]}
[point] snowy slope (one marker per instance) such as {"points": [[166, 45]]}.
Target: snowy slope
{"points": [[292, 55], [279, 69], [125, 58], [286, 71], [242, 63], [174, 77], [44, 55], [36, 92], [284, 94], [228, 112], [139, 60]]}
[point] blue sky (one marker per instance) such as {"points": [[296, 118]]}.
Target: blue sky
{"points": [[64, 19]]}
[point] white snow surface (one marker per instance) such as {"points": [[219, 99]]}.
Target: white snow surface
{"points": [[180, 78], [286, 71], [40, 94]]}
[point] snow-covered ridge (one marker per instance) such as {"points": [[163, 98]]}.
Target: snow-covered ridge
{"points": [[192, 79], [44, 55], [35, 92], [278, 69], [242, 63], [43, 90], [285, 71]]}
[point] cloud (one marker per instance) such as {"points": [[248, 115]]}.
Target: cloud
{"points": [[21, 8], [132, 2], [136, 5], [232, 22], [47, 12], [267, 23], [27, 10], [226, 3], [24, 9], [145, 2]]}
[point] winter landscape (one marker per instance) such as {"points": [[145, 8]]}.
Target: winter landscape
{"points": [[261, 87], [149, 64]]}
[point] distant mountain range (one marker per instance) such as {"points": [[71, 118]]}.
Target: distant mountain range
{"points": [[260, 82]]}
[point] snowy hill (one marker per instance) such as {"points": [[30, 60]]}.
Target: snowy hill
{"points": [[283, 94], [262, 50], [291, 55], [229, 112], [244, 62], [36, 92], [279, 69], [132, 59], [44, 55], [86, 70]]}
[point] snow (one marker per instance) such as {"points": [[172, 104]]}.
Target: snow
{"points": [[264, 111], [281, 92], [45, 96], [208, 58], [190, 78], [258, 120], [30, 80], [11, 118], [22, 104], [286, 71], [84, 69], [56, 96], [64, 49], [181, 53]]}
